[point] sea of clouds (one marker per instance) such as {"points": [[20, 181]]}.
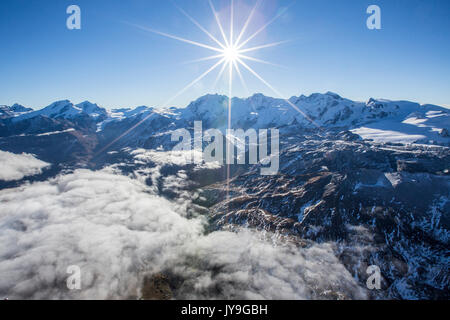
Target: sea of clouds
{"points": [[119, 230]]}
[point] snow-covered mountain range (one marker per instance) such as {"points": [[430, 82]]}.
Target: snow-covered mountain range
{"points": [[381, 120]]}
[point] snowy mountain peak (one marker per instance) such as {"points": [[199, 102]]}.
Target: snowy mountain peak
{"points": [[19, 108], [334, 95], [123, 113], [13, 111], [91, 109], [206, 107], [65, 109], [88, 107]]}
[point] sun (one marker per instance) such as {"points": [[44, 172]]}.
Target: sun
{"points": [[231, 50], [231, 54]]}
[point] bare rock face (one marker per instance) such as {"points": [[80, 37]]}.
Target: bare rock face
{"points": [[410, 166], [156, 287]]}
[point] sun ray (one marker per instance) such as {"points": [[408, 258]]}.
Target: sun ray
{"points": [[278, 93], [231, 24], [204, 74], [247, 22], [216, 16], [200, 26], [261, 61], [283, 11], [229, 146], [219, 75], [238, 71], [268, 45], [178, 38], [164, 105], [204, 59]]}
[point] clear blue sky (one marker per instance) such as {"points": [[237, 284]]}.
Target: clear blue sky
{"points": [[116, 65]]}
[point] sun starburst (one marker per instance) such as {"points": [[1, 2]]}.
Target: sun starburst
{"points": [[229, 51]]}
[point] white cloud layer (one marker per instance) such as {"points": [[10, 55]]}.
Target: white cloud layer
{"points": [[117, 231], [17, 166]]}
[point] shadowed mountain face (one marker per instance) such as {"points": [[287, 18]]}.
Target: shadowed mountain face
{"points": [[371, 179]]}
